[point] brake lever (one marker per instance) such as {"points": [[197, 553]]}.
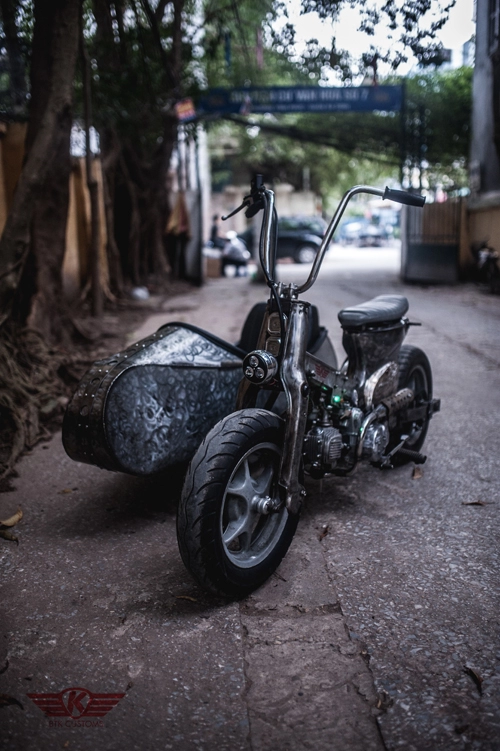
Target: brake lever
{"points": [[254, 202], [255, 207], [247, 201]]}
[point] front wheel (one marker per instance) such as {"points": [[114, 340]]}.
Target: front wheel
{"points": [[228, 537], [306, 254], [415, 374]]}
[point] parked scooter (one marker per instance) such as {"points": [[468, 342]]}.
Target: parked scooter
{"points": [[487, 265], [298, 413]]}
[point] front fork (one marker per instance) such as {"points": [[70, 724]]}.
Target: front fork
{"points": [[294, 380]]}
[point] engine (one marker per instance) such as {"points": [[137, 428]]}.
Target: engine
{"points": [[322, 448]]}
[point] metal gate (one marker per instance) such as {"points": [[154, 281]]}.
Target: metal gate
{"points": [[430, 241]]}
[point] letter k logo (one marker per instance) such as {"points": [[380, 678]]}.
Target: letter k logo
{"points": [[74, 699]]}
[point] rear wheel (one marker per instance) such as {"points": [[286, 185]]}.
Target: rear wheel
{"points": [[415, 374], [229, 538]]}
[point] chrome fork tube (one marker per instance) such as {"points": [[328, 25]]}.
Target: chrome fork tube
{"points": [[294, 379], [268, 223]]}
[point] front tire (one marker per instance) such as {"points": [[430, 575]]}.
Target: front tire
{"points": [[414, 373], [306, 254], [226, 539]]}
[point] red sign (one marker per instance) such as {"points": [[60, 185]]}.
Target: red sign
{"points": [[75, 703], [185, 110]]}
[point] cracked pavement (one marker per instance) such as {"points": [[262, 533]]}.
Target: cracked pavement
{"points": [[359, 640]]}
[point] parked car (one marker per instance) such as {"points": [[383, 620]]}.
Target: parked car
{"points": [[362, 232], [299, 237]]}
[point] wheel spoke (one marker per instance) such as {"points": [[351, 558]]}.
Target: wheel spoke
{"points": [[240, 527], [262, 483], [242, 484]]}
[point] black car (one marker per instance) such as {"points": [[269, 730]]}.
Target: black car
{"points": [[298, 237], [362, 232]]}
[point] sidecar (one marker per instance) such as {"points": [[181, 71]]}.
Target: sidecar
{"points": [[149, 407]]}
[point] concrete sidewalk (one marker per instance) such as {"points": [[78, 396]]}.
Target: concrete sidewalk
{"points": [[95, 598]]}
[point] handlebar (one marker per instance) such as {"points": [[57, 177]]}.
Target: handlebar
{"points": [[262, 198], [402, 196]]}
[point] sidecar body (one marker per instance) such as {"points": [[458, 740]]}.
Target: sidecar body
{"points": [[149, 407]]}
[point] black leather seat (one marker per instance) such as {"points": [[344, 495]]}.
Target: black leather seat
{"points": [[382, 309]]}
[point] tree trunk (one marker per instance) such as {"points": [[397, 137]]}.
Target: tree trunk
{"points": [[40, 202], [141, 196]]}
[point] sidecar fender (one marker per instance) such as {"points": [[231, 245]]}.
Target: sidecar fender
{"points": [[149, 407]]}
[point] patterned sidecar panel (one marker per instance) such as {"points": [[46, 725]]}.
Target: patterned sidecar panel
{"points": [[149, 407]]}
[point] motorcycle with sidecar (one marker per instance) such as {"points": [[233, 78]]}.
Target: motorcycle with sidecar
{"points": [[254, 418]]}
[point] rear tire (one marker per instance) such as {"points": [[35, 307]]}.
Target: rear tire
{"points": [[414, 373], [225, 539]]}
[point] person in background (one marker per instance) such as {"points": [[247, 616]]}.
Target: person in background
{"points": [[215, 239], [235, 254]]}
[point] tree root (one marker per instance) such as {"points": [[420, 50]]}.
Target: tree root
{"points": [[29, 385]]}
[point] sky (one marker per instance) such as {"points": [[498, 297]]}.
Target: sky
{"points": [[454, 34]]}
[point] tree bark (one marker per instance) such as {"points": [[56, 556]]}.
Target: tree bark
{"points": [[95, 274], [40, 202]]}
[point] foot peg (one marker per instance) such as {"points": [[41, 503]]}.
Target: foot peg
{"points": [[414, 456]]}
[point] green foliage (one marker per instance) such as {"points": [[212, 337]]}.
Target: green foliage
{"points": [[343, 148], [440, 110], [404, 25], [283, 159]]}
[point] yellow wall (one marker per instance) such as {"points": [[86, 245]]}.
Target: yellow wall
{"points": [[75, 273], [484, 224]]}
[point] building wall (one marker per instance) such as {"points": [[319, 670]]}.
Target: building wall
{"points": [[484, 201], [485, 163], [484, 224]]}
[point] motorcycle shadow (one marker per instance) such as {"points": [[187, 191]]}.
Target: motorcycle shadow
{"points": [[123, 503]]}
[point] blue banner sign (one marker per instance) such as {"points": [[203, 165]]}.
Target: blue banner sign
{"points": [[257, 100]]}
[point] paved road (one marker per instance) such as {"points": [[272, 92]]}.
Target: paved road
{"points": [[360, 639], [416, 567]]}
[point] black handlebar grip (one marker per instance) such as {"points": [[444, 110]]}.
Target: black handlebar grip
{"points": [[402, 196], [256, 183]]}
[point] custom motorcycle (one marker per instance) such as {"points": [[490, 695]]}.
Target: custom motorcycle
{"points": [[298, 413], [254, 418]]}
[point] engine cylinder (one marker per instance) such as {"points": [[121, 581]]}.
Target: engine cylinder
{"points": [[322, 447]]}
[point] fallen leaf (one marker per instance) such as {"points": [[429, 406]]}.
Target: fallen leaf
{"points": [[6, 700], [324, 531], [417, 473], [6, 535], [64, 491], [384, 701], [12, 520], [474, 503], [185, 597], [475, 677]]}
